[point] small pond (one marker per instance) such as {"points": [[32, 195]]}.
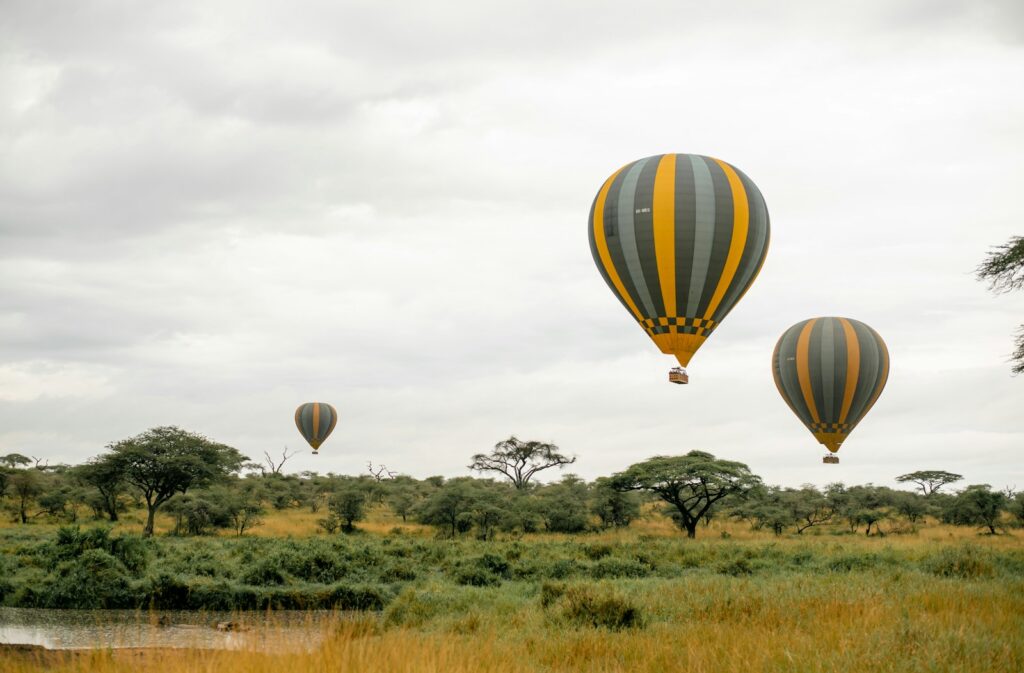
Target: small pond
{"points": [[282, 631]]}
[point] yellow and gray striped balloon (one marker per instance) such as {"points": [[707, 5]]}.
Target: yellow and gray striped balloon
{"points": [[830, 371], [679, 238], [316, 421]]}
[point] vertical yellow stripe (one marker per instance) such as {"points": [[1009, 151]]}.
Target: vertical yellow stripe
{"points": [[803, 368], [852, 367], [740, 225], [316, 419], [664, 215], [602, 246]]}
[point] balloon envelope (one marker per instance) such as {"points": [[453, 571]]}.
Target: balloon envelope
{"points": [[679, 238], [316, 421], [830, 371]]}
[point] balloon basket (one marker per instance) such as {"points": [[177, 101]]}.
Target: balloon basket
{"points": [[831, 459], [678, 375]]}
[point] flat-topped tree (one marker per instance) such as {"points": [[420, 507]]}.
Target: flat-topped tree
{"points": [[519, 460], [929, 481], [164, 461], [1003, 269], [692, 483]]}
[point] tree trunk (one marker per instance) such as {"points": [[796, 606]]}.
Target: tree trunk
{"points": [[24, 513], [691, 529], [151, 515]]}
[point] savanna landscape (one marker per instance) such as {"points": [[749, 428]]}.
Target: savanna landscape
{"points": [[547, 336], [476, 574]]}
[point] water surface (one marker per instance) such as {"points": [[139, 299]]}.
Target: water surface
{"points": [[75, 629]]}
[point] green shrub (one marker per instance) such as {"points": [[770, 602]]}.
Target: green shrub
{"points": [[264, 573], [414, 608], [587, 606], [165, 591], [963, 562], [612, 567], [737, 567], [550, 592], [93, 580], [595, 552]]}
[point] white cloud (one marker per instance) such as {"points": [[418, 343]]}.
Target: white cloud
{"points": [[211, 213]]}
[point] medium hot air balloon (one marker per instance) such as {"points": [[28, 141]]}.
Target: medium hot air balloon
{"points": [[679, 238], [315, 421], [830, 371]]}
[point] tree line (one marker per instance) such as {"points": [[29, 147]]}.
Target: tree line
{"points": [[206, 486]]}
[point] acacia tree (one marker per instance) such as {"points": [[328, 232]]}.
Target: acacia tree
{"points": [[692, 483], [977, 505], [167, 460], [1003, 269], [929, 481], [107, 478], [26, 486], [519, 460]]}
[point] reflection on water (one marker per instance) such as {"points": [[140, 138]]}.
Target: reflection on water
{"points": [[72, 629]]}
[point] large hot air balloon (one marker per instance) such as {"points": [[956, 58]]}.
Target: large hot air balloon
{"points": [[315, 421], [679, 238], [830, 371]]}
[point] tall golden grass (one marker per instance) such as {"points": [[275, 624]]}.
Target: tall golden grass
{"points": [[742, 625]]}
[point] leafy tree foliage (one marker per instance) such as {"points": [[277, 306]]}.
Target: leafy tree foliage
{"points": [[348, 504], [14, 460], [167, 460], [450, 506], [26, 486], [929, 481], [108, 480], [977, 505], [692, 484], [1004, 271], [615, 508], [519, 460]]}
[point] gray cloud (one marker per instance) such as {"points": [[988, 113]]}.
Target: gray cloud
{"points": [[212, 212]]}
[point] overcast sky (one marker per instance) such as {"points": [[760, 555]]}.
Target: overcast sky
{"points": [[211, 212]]}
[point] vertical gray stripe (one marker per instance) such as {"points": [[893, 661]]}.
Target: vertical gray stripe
{"points": [[628, 235], [828, 370], [754, 250], [704, 234], [789, 373]]}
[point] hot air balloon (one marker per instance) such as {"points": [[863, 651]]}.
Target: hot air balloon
{"points": [[679, 238], [830, 371], [315, 421]]}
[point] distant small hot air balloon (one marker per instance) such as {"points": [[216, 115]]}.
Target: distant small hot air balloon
{"points": [[315, 421], [679, 238], [830, 371]]}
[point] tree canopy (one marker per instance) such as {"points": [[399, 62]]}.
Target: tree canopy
{"points": [[167, 460], [929, 481], [692, 483], [1003, 269], [519, 460]]}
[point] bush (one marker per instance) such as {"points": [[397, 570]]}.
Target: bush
{"points": [[550, 592], [596, 552], [71, 542], [586, 606], [93, 580], [414, 608], [264, 573], [612, 567], [737, 567], [964, 562]]}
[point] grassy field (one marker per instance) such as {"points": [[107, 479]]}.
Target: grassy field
{"points": [[641, 599]]}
